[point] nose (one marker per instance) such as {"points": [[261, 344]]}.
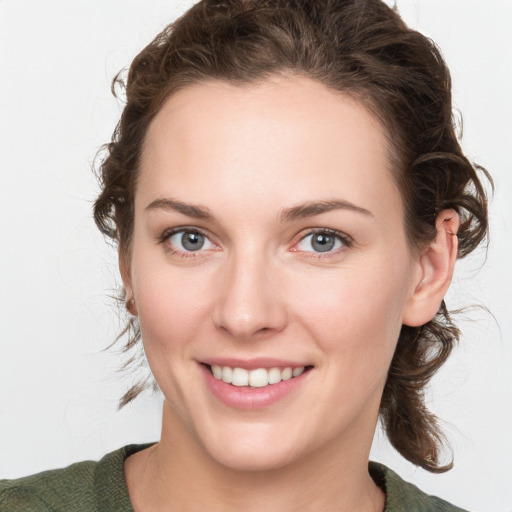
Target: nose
{"points": [[249, 303]]}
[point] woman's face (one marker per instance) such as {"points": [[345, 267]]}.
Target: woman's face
{"points": [[269, 236]]}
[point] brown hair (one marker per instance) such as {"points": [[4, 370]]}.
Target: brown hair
{"points": [[358, 47]]}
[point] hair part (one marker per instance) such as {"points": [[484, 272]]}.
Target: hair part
{"points": [[363, 49]]}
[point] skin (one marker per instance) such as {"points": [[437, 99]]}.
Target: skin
{"points": [[257, 288]]}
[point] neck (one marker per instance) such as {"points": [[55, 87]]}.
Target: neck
{"points": [[334, 477]]}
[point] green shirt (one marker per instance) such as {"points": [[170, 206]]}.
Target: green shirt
{"points": [[100, 487]]}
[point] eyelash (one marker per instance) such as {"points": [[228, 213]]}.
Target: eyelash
{"points": [[345, 240], [182, 229]]}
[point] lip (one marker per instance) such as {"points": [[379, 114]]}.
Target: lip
{"points": [[247, 398]]}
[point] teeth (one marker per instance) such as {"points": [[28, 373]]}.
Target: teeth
{"points": [[298, 371], [217, 371], [286, 374], [258, 378], [240, 377], [274, 375], [227, 374]]}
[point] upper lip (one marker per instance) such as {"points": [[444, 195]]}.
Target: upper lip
{"points": [[252, 364]]}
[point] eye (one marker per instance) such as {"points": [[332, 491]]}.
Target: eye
{"points": [[322, 242], [188, 240]]}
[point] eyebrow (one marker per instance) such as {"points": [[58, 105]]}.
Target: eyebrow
{"points": [[303, 211], [293, 213], [190, 210]]}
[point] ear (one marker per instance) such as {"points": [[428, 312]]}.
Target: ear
{"points": [[435, 271], [124, 268]]}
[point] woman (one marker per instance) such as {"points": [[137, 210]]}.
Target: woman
{"points": [[289, 199]]}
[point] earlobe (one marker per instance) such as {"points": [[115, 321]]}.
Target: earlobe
{"points": [[124, 269], [435, 271]]}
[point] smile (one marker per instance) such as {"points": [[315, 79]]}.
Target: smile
{"points": [[257, 378]]}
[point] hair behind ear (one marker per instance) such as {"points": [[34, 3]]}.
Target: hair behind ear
{"points": [[426, 340], [411, 428]]}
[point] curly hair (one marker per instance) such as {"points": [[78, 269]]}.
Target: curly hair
{"points": [[363, 49]]}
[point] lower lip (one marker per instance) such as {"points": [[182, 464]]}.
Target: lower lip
{"points": [[242, 397]]}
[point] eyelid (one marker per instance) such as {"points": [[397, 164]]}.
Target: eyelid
{"points": [[168, 233], [345, 239]]}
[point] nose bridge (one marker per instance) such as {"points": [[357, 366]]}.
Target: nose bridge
{"points": [[249, 300]]}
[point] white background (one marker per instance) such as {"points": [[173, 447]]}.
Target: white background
{"points": [[58, 388]]}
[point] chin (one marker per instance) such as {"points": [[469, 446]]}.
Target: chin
{"points": [[255, 447], [253, 457]]}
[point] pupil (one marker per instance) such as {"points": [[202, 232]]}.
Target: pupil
{"points": [[192, 241], [323, 243]]}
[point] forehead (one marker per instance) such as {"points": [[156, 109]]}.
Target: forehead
{"points": [[291, 136]]}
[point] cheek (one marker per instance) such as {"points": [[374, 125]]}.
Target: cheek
{"points": [[172, 316], [172, 308], [354, 315]]}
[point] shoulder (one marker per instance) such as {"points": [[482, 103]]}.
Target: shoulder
{"points": [[50, 489], [82, 487], [404, 496]]}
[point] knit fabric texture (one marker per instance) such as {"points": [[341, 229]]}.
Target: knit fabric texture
{"points": [[100, 487]]}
